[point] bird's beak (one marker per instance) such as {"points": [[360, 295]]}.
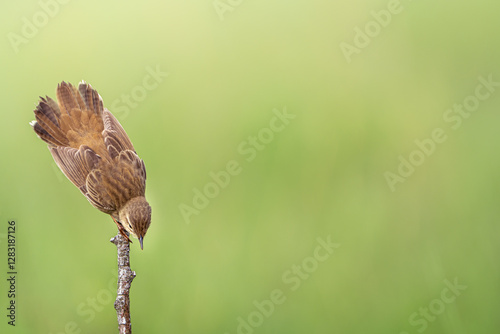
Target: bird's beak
{"points": [[140, 241]]}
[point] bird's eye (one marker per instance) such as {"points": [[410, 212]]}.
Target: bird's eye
{"points": [[129, 225]]}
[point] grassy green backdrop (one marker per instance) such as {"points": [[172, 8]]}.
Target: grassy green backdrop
{"points": [[322, 176]]}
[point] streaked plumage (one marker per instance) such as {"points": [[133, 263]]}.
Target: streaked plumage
{"points": [[92, 149]]}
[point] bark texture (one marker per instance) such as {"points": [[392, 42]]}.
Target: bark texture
{"points": [[125, 278]]}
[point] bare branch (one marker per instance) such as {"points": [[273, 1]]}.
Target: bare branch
{"points": [[125, 277]]}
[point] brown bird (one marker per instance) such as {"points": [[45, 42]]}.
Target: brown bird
{"points": [[91, 148]]}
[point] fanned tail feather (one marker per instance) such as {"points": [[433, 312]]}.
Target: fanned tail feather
{"points": [[46, 126], [54, 121], [91, 98]]}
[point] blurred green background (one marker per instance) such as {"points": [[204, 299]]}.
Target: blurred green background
{"points": [[322, 176]]}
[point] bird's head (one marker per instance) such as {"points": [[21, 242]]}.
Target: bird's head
{"points": [[135, 217]]}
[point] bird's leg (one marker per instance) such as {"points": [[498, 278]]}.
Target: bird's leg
{"points": [[121, 229]]}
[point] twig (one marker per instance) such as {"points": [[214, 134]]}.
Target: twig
{"points": [[125, 277]]}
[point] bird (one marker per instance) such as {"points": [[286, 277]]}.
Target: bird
{"points": [[95, 153]]}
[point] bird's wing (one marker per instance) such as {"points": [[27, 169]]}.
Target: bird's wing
{"points": [[76, 164], [115, 137], [98, 192], [137, 171], [112, 185]]}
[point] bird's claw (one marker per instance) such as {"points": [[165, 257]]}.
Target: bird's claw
{"points": [[122, 230]]}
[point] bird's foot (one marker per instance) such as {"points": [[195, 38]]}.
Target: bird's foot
{"points": [[122, 230]]}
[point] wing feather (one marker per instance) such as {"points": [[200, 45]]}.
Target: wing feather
{"points": [[114, 135], [138, 170], [76, 164], [112, 185], [97, 194]]}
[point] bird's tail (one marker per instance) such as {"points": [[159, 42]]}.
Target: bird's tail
{"points": [[54, 121]]}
